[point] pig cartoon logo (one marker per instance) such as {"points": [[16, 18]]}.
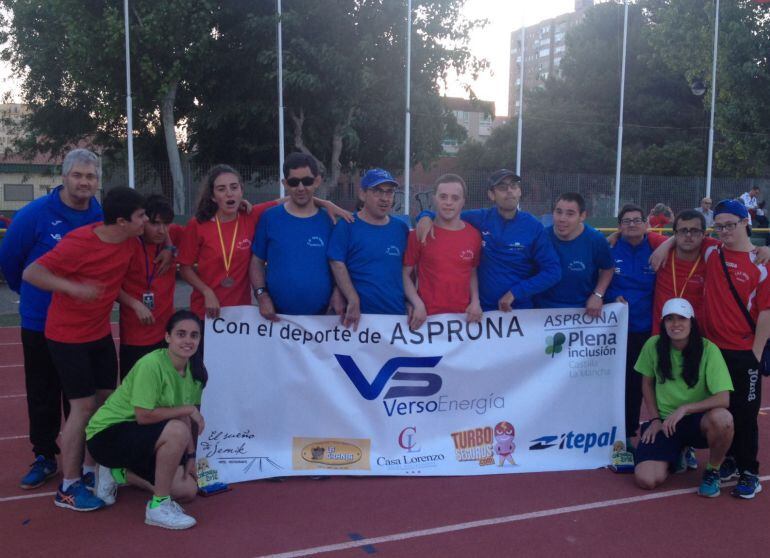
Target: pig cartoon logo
{"points": [[504, 446]]}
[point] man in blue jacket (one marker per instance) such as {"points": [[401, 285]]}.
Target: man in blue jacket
{"points": [[518, 260], [634, 284], [35, 230]]}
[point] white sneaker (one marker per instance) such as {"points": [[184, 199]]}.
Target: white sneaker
{"points": [[105, 488], [168, 515]]}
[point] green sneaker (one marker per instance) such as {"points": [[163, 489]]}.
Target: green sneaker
{"points": [[710, 485]]}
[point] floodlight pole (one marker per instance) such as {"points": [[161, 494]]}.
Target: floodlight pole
{"points": [[280, 99], [709, 164], [521, 98], [129, 104], [408, 111], [619, 157]]}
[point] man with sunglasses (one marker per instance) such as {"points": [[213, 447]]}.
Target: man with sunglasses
{"points": [[731, 270], [366, 255], [293, 238], [518, 260]]}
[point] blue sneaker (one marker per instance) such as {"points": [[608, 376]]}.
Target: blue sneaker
{"points": [[89, 479], [748, 486], [728, 469], [689, 458], [77, 497], [710, 485], [40, 471]]}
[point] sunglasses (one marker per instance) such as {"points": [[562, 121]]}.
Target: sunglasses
{"points": [[305, 180]]}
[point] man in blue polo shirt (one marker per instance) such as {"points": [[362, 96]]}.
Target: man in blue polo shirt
{"points": [[292, 238], [517, 258], [35, 230], [586, 262], [634, 284], [366, 256]]}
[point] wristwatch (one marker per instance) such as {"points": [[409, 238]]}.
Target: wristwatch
{"points": [[259, 291], [597, 293]]}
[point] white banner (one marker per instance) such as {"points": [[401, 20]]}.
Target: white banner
{"points": [[532, 390]]}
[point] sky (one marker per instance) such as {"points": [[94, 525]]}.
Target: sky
{"points": [[491, 43]]}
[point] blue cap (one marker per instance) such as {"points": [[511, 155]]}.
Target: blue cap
{"points": [[499, 175], [376, 177], [733, 207]]}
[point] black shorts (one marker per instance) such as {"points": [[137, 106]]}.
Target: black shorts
{"points": [[85, 367], [128, 445], [687, 433], [129, 354]]}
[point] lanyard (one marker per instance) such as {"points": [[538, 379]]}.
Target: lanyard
{"points": [[673, 275], [149, 275], [228, 259]]}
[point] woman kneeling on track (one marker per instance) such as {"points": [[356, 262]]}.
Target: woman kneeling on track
{"points": [[145, 432], [686, 389]]}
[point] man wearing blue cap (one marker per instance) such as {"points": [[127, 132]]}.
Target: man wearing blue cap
{"points": [[737, 320], [366, 256], [518, 260]]}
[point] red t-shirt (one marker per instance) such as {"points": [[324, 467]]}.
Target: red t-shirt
{"points": [[658, 221], [83, 257], [140, 270], [724, 323], [201, 245], [444, 267], [690, 281]]}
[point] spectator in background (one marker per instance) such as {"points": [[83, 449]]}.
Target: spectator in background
{"points": [[706, 211], [660, 216], [751, 200]]}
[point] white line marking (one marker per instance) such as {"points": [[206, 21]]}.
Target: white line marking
{"points": [[11, 365], [7, 344], [13, 396], [13, 438], [488, 522], [27, 497]]}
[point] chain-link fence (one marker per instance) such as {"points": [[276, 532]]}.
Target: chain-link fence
{"points": [[538, 189]]}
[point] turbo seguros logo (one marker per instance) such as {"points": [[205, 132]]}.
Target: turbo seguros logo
{"points": [[405, 400]]}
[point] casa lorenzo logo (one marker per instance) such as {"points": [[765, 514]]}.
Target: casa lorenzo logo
{"points": [[575, 441], [554, 343], [407, 440], [429, 383]]}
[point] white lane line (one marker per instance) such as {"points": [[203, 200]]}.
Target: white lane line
{"points": [[13, 396], [487, 522], [27, 496], [7, 344], [3, 439], [12, 365]]}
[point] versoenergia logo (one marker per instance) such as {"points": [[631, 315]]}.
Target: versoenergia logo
{"points": [[554, 344]]}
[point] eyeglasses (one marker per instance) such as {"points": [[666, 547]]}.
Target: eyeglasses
{"points": [[382, 193], [635, 221], [689, 232], [305, 180], [505, 186], [726, 226]]}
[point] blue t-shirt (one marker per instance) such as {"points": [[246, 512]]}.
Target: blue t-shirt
{"points": [[373, 255], [36, 229], [581, 259], [634, 280], [297, 273]]}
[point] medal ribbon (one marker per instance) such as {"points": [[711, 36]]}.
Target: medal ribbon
{"points": [[228, 259], [149, 275], [673, 275]]}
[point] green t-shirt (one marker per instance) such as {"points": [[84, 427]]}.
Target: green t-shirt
{"points": [[153, 382], [713, 376]]}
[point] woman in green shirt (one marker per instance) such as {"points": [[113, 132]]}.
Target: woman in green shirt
{"points": [[686, 389], [145, 432]]}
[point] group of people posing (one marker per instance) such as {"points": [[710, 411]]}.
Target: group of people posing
{"points": [[71, 259]]}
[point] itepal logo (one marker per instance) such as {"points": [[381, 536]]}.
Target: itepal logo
{"points": [[553, 344], [432, 382], [571, 440]]}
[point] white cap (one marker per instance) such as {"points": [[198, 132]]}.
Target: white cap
{"points": [[678, 306]]}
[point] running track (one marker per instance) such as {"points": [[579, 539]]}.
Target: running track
{"points": [[586, 513]]}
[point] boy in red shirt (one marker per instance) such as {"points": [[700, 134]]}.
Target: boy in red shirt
{"points": [[85, 272], [741, 343], [446, 263], [147, 297]]}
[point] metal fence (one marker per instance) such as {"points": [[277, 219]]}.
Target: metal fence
{"points": [[538, 189]]}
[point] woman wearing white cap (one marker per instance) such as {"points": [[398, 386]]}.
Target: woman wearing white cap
{"points": [[686, 389]]}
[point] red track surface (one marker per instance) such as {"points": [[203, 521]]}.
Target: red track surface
{"points": [[549, 514]]}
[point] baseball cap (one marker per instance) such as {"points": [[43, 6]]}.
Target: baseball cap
{"points": [[496, 177], [375, 177], [678, 306], [733, 207]]}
